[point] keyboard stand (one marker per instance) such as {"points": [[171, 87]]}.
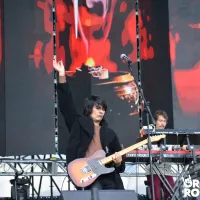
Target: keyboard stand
{"points": [[179, 181], [163, 180], [174, 192]]}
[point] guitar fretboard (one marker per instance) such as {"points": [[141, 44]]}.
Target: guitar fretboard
{"points": [[123, 152]]}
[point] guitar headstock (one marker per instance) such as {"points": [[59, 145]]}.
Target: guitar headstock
{"points": [[157, 138]]}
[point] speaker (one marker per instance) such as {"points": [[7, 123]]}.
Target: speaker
{"points": [[103, 195]]}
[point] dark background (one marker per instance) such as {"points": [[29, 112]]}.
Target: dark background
{"points": [[158, 74], [186, 67], [27, 92], [2, 87]]}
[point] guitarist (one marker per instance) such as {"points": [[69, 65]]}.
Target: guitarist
{"points": [[89, 132]]}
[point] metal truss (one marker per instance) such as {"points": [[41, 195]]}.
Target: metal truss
{"points": [[48, 167], [139, 169], [55, 166], [32, 166]]}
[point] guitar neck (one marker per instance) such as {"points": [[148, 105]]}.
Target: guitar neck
{"points": [[123, 152]]}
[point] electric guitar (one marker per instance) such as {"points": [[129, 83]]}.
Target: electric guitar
{"points": [[84, 171]]}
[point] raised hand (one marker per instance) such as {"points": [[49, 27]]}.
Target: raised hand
{"points": [[59, 67]]}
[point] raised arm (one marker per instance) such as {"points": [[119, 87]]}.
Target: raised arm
{"points": [[65, 99]]}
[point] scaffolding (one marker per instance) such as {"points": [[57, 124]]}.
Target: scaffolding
{"points": [[55, 166]]}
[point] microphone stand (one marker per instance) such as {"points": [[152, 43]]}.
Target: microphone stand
{"points": [[148, 113], [15, 185], [94, 193]]}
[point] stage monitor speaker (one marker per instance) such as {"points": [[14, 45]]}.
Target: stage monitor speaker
{"points": [[103, 195]]}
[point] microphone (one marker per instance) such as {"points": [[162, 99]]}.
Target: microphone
{"points": [[126, 58]]}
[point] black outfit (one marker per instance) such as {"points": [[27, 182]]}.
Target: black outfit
{"points": [[81, 130]]}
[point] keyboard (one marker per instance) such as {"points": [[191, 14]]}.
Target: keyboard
{"points": [[166, 156]]}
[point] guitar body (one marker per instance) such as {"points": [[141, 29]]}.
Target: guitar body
{"points": [[84, 171]]}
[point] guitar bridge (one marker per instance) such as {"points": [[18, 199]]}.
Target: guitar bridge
{"points": [[86, 169], [88, 178]]}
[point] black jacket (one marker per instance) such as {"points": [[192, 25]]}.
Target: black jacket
{"points": [[81, 130]]}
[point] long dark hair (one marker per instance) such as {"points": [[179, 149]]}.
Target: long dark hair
{"points": [[92, 101]]}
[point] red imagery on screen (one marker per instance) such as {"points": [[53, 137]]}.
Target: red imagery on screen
{"points": [[47, 54], [186, 81], [86, 48], [123, 7], [64, 16], [96, 52], [129, 35]]}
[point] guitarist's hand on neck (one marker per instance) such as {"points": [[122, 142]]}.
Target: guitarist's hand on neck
{"points": [[117, 159]]}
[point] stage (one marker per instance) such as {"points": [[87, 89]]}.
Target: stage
{"points": [[141, 57]]}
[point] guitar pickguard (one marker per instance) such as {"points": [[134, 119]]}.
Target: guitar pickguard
{"points": [[98, 168]]}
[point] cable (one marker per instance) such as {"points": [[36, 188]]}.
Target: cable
{"points": [[55, 74], [63, 183], [138, 60]]}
